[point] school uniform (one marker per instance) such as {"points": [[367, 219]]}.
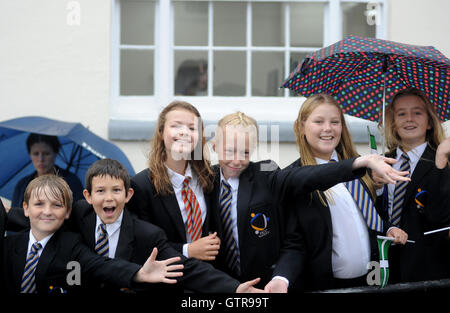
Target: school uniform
{"points": [[327, 245], [259, 218], [134, 243], [425, 208], [167, 211], [51, 271]]}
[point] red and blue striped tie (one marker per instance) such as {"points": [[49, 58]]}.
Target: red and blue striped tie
{"points": [[194, 214]]}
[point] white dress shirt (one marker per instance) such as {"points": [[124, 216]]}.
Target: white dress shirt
{"points": [[414, 157], [350, 245], [177, 184], [234, 183], [113, 231], [32, 240]]}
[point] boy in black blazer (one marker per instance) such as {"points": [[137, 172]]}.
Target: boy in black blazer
{"points": [[107, 191], [36, 261]]}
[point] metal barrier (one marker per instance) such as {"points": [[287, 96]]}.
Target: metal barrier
{"points": [[421, 286]]}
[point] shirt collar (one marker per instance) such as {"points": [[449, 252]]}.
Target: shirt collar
{"points": [[110, 228], [334, 156], [232, 181], [178, 179], [413, 154], [43, 242]]}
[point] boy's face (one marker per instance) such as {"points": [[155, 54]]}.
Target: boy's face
{"points": [[234, 151], [46, 214], [108, 197]]}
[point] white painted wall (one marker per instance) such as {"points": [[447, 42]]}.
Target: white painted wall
{"points": [[52, 69]]}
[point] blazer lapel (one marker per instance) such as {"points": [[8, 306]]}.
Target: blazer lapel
{"points": [[324, 211], [47, 256], [425, 164], [171, 204], [244, 193], [125, 245], [88, 228], [20, 257]]}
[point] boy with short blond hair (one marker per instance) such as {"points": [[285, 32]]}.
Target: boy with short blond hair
{"points": [[36, 260]]}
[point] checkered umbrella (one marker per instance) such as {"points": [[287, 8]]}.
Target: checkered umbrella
{"points": [[364, 73]]}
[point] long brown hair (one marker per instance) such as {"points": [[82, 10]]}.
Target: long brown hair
{"points": [[345, 148], [434, 136], [158, 153]]}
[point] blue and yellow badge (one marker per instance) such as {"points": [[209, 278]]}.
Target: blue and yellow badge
{"points": [[420, 200], [259, 223]]}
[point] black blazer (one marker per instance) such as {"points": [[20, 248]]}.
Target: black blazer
{"points": [[136, 241], [162, 211], [261, 191], [305, 258], [51, 271], [429, 257]]}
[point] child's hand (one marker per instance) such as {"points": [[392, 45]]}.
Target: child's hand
{"points": [[442, 153], [205, 248], [381, 165], [276, 286], [159, 271], [398, 234], [377, 180], [247, 287]]}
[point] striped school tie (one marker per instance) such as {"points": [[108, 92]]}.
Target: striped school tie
{"points": [[232, 259], [102, 245], [399, 193], [28, 278], [194, 215], [365, 204]]}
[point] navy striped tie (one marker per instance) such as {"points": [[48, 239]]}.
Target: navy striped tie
{"points": [[232, 259], [28, 279], [364, 203], [102, 246], [399, 193]]}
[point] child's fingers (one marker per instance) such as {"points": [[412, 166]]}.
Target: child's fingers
{"points": [[173, 274], [169, 281], [153, 254], [172, 268], [389, 160], [172, 260]]}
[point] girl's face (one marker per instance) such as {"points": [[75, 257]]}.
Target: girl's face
{"points": [[180, 134], [411, 120], [323, 129], [43, 157], [234, 150]]}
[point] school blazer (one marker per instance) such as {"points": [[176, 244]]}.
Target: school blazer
{"points": [[260, 217], [305, 258], [136, 241], [429, 257], [51, 272], [162, 211]]}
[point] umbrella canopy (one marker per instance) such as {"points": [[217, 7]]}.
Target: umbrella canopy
{"points": [[362, 73], [79, 149]]}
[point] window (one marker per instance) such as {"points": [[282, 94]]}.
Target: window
{"points": [[223, 56]]}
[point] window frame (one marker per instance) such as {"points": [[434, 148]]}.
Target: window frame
{"points": [[128, 111]]}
